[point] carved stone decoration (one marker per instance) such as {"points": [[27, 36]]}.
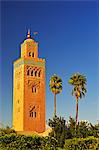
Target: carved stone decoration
{"points": [[34, 111], [32, 107], [33, 71], [32, 83]]}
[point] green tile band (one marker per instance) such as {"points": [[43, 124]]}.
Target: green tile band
{"points": [[29, 62]]}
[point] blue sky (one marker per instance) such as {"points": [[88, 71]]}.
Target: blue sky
{"points": [[68, 40]]}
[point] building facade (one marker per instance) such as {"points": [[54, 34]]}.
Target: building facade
{"points": [[29, 89]]}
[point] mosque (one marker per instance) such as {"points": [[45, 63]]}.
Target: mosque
{"points": [[29, 89]]}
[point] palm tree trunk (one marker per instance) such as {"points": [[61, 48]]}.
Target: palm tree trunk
{"points": [[76, 110], [54, 105]]}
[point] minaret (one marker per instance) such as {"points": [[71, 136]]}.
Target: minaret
{"points": [[29, 89]]}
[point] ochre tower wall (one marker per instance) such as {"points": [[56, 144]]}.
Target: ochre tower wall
{"points": [[18, 103], [29, 89], [36, 100]]}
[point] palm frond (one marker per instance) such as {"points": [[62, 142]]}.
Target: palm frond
{"points": [[55, 84], [78, 81], [83, 94]]}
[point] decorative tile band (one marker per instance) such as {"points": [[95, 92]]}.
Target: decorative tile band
{"points": [[29, 62]]}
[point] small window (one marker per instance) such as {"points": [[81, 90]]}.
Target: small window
{"points": [[28, 72], [30, 114], [34, 90], [33, 114], [35, 73], [32, 73], [32, 54], [29, 53], [39, 73]]}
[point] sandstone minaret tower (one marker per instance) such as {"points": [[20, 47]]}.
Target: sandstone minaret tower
{"points": [[29, 89]]}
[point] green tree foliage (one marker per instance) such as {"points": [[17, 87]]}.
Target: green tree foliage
{"points": [[94, 130], [66, 130], [19, 142], [70, 133], [13, 141], [6, 130], [78, 81], [49, 143], [89, 143], [55, 87], [59, 130], [83, 129]]}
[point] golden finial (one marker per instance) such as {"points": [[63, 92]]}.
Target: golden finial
{"points": [[28, 35]]}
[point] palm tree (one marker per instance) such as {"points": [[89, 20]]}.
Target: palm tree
{"points": [[55, 87], [79, 90]]}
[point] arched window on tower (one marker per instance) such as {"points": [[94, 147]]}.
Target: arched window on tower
{"points": [[34, 89], [33, 113], [39, 73], [32, 73], [28, 72], [35, 73], [29, 54], [33, 54]]}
